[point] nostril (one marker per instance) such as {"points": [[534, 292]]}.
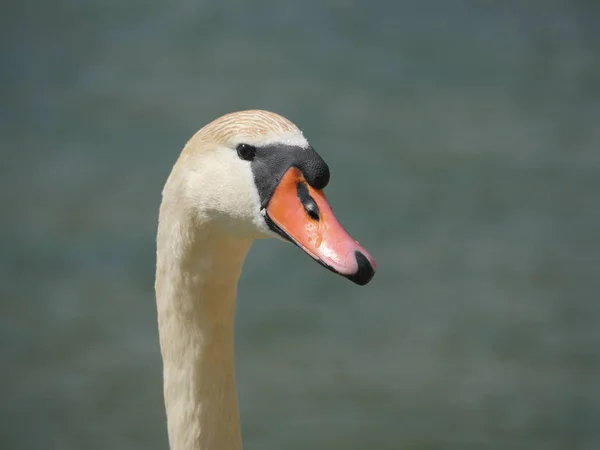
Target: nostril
{"points": [[365, 271], [312, 209], [309, 204]]}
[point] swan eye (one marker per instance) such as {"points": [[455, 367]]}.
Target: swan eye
{"points": [[246, 152]]}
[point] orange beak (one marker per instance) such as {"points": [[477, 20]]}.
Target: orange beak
{"points": [[302, 215]]}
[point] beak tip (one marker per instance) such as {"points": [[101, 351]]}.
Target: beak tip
{"points": [[365, 271]]}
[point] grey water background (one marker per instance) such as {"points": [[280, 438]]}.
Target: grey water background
{"points": [[464, 143]]}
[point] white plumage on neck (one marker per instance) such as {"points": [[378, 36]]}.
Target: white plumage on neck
{"points": [[196, 287], [199, 262], [209, 216]]}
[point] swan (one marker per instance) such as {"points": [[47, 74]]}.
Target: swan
{"points": [[245, 176]]}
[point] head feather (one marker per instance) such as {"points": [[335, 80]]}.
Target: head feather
{"points": [[254, 127]]}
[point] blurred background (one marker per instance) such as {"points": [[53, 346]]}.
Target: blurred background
{"points": [[464, 143]]}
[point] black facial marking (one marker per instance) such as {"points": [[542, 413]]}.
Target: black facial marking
{"points": [[310, 206], [271, 162]]}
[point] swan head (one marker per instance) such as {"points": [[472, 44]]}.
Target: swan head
{"points": [[252, 174]]}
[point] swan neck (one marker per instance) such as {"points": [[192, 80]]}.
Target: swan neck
{"points": [[196, 288]]}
